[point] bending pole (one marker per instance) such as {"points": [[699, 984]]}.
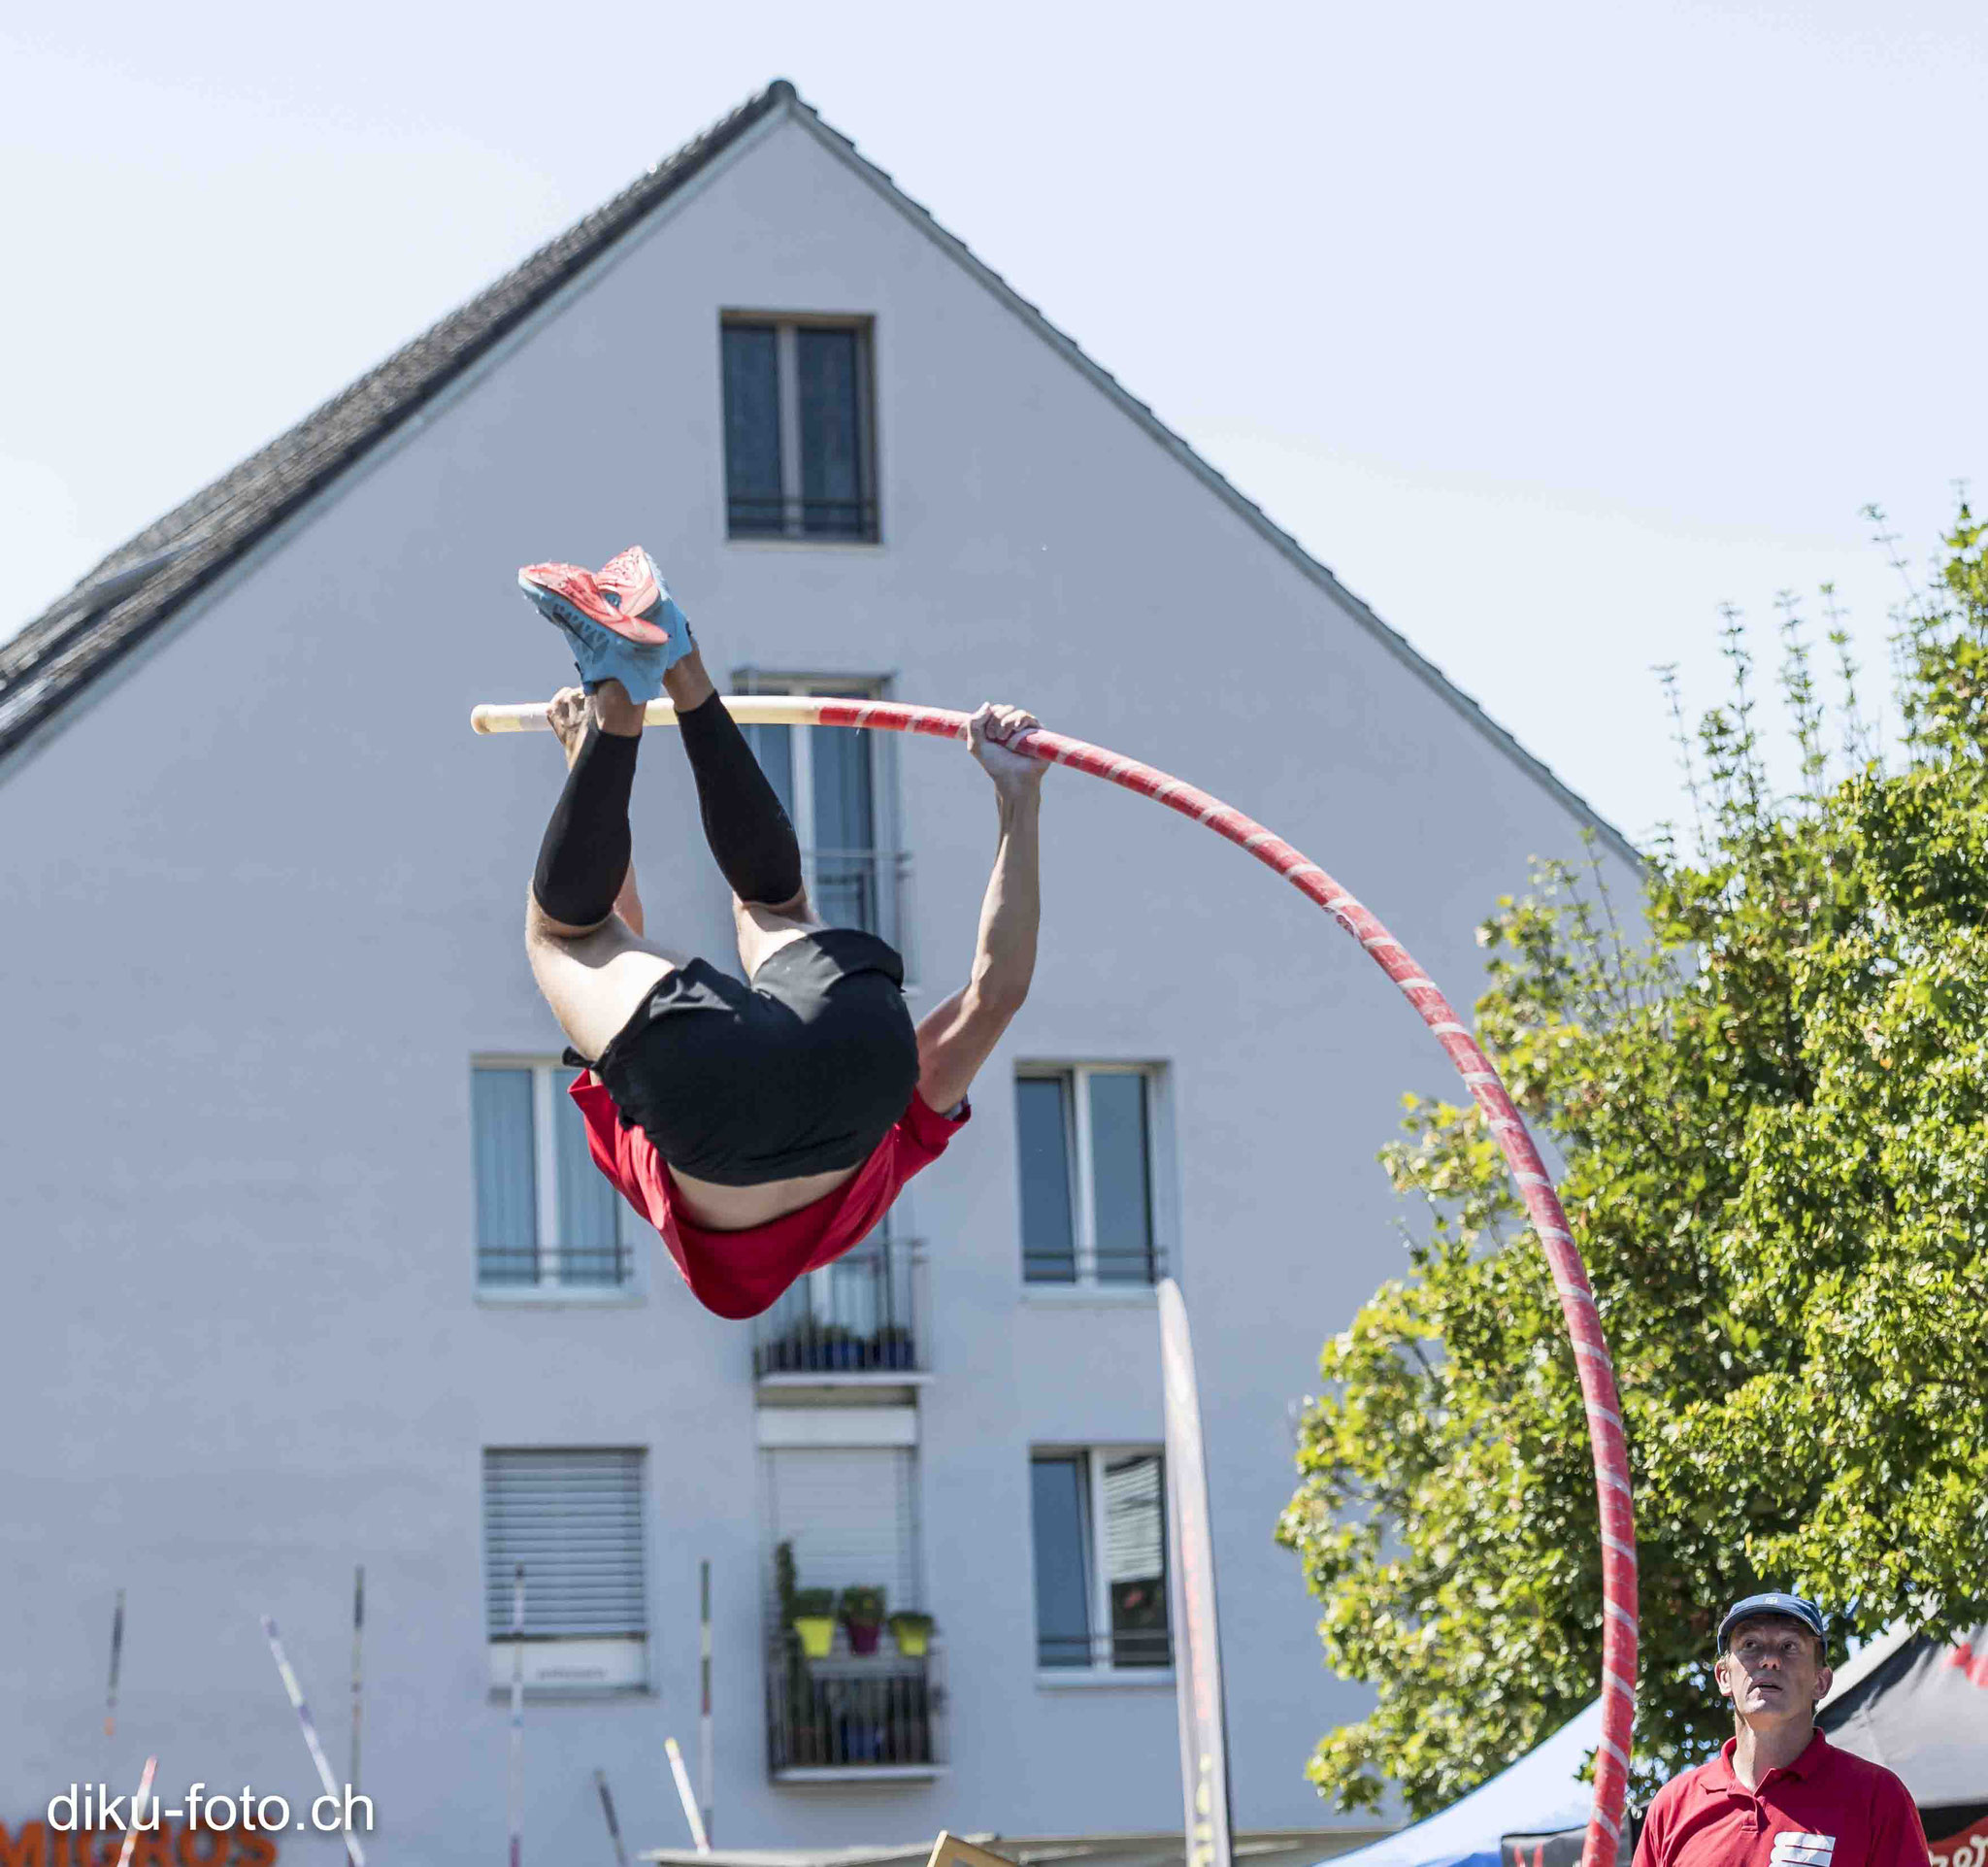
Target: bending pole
{"points": [[1528, 1170]]}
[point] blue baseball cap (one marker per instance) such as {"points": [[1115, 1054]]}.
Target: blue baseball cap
{"points": [[1790, 1607]]}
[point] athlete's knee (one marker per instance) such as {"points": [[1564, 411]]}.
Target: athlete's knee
{"points": [[543, 929], [758, 914]]}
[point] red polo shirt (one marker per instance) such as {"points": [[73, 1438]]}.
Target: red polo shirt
{"points": [[1827, 1809], [737, 1275]]}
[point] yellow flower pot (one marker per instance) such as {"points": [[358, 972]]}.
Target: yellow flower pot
{"points": [[911, 1642], [817, 1634]]}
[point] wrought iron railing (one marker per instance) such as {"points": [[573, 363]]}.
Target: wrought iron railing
{"points": [[570, 1267], [864, 888], [861, 1314], [1123, 1647], [1135, 1264], [770, 515], [850, 1713]]}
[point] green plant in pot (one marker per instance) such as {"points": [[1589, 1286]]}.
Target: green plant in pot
{"points": [[812, 1618], [862, 1613], [912, 1633]]}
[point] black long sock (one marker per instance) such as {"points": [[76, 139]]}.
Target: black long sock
{"points": [[584, 855], [748, 832]]}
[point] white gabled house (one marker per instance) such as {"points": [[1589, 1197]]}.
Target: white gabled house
{"points": [[307, 1265]]}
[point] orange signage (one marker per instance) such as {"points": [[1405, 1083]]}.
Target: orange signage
{"points": [[34, 1844]]}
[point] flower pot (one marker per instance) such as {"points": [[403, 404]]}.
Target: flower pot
{"points": [[817, 1634], [913, 1642], [862, 1640]]}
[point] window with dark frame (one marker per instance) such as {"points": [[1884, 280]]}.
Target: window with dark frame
{"points": [[800, 453], [1084, 1145], [546, 1218], [833, 786], [1099, 1523]]}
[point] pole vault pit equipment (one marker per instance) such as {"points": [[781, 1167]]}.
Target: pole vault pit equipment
{"points": [[949, 1850], [1602, 1846]]}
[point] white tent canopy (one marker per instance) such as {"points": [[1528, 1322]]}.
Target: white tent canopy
{"points": [[1541, 1793]]}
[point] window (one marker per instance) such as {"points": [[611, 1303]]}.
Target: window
{"points": [[1084, 1139], [547, 1218], [1101, 1559], [833, 784], [799, 449], [574, 1521]]}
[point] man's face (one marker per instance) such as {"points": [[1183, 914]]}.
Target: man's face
{"points": [[1772, 1669]]}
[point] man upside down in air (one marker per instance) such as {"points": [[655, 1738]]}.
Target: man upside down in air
{"points": [[762, 1128]]}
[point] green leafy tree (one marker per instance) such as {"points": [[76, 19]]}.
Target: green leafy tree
{"points": [[1771, 1107]]}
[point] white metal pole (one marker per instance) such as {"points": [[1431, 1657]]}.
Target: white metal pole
{"points": [[355, 1853], [699, 1838], [151, 1764], [1191, 1591]]}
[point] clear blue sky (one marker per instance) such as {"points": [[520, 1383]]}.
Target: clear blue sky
{"points": [[1548, 327]]}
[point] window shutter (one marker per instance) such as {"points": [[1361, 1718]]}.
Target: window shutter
{"points": [[849, 1513], [575, 1520]]}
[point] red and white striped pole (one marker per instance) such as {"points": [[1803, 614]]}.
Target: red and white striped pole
{"points": [[1528, 1170]]}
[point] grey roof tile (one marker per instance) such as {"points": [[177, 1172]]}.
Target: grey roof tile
{"points": [[140, 585]]}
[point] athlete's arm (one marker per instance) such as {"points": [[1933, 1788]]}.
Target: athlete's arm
{"points": [[957, 1037]]}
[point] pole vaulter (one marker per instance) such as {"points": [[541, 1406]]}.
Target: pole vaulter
{"points": [[623, 623]]}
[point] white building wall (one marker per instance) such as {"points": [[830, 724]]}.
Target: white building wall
{"points": [[262, 902]]}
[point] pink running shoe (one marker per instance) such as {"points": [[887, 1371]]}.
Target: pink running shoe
{"points": [[622, 620]]}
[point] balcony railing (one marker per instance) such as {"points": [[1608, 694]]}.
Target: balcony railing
{"points": [[866, 888], [770, 515], [593, 1267], [863, 1315], [882, 1711], [1123, 1649], [1130, 1264]]}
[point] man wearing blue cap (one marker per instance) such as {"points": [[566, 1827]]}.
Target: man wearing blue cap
{"points": [[1779, 1795]]}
